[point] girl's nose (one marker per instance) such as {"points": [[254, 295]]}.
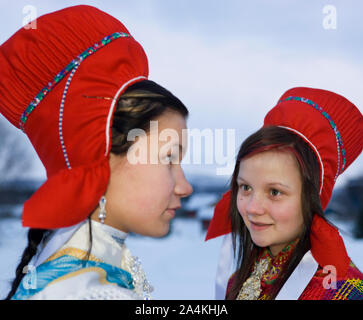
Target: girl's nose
{"points": [[255, 205], [182, 187]]}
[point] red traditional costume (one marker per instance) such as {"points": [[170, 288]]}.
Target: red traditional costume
{"points": [[59, 84], [333, 127]]}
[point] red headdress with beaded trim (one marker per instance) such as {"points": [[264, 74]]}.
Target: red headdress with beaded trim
{"points": [[333, 128], [48, 77]]}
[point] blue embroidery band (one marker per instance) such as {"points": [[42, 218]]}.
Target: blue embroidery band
{"points": [[49, 271], [340, 144], [74, 63]]}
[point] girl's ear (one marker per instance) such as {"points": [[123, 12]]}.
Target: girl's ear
{"points": [[114, 161]]}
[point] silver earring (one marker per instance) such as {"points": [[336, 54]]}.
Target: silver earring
{"points": [[102, 213]]}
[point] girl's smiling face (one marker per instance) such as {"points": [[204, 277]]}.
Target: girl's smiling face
{"points": [[269, 198], [142, 197]]}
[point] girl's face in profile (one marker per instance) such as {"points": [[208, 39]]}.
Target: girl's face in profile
{"points": [[143, 197], [269, 198]]}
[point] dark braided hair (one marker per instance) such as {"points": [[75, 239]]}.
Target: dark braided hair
{"points": [[35, 236], [139, 104]]}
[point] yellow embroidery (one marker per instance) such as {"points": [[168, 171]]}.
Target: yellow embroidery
{"points": [[358, 283], [80, 254], [347, 287], [74, 252]]}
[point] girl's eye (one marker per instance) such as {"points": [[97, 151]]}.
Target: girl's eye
{"points": [[245, 187], [275, 192], [169, 159]]}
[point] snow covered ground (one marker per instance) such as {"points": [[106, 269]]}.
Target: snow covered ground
{"points": [[180, 266]]}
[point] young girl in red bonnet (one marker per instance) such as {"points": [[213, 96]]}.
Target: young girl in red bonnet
{"points": [[77, 86], [281, 184]]}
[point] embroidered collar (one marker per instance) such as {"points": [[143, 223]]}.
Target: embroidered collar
{"points": [[265, 272], [56, 239], [107, 242], [281, 257], [117, 235], [276, 265]]}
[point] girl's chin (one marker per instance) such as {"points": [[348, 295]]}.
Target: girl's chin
{"points": [[261, 242], [159, 232]]}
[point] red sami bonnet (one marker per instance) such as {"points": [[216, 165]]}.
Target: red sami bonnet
{"points": [[333, 128], [51, 79]]}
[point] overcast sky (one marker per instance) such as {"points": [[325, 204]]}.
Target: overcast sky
{"points": [[230, 61]]}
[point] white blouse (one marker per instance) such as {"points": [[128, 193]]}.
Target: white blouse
{"points": [[108, 246]]}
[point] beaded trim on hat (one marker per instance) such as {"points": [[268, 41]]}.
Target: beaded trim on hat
{"points": [[340, 145], [75, 62], [60, 123]]}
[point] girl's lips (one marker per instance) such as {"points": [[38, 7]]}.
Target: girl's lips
{"points": [[170, 212], [259, 226]]}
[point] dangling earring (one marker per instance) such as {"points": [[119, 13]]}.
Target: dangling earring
{"points": [[102, 213]]}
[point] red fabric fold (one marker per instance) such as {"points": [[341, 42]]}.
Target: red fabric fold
{"points": [[66, 111], [221, 222], [82, 187], [327, 246]]}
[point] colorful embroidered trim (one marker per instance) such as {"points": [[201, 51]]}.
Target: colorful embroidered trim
{"points": [[340, 145], [348, 288], [75, 62], [63, 266]]}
